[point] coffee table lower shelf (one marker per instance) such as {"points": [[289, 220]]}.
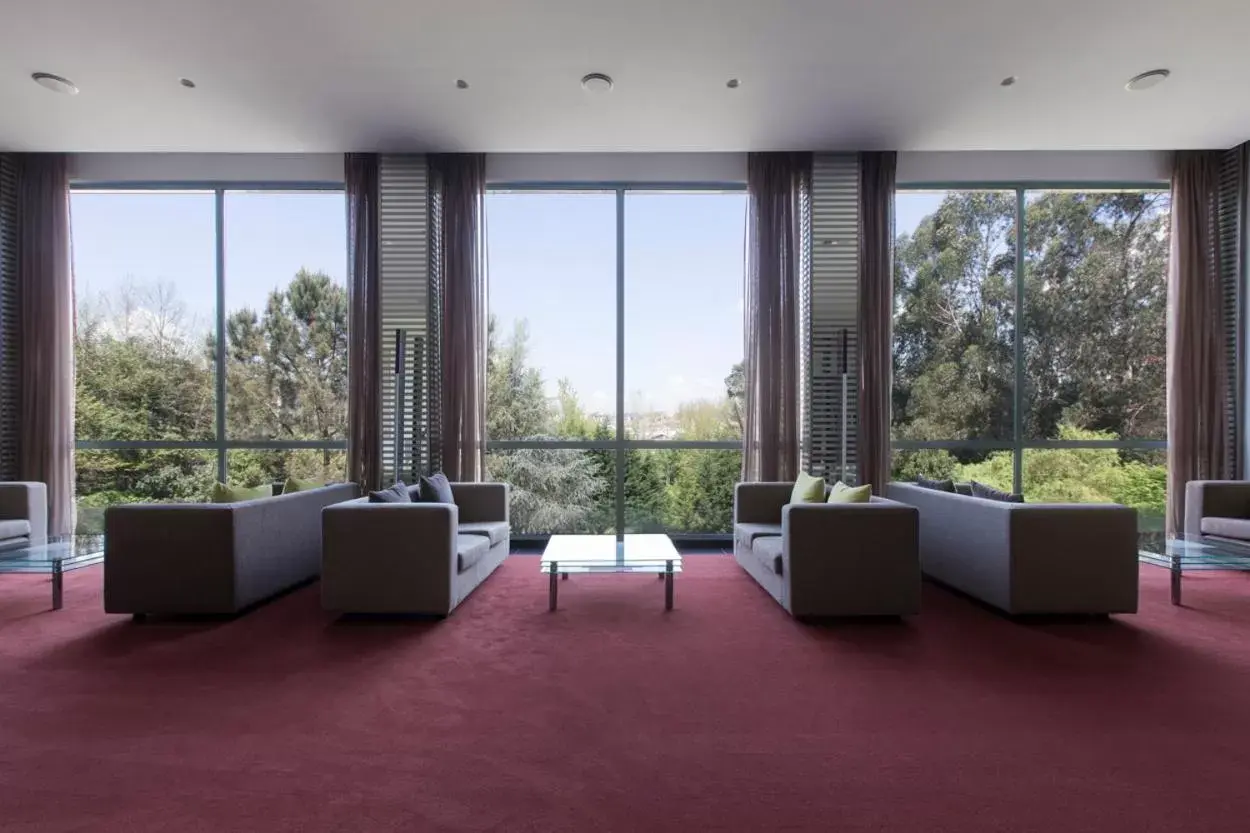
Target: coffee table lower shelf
{"points": [[567, 554]]}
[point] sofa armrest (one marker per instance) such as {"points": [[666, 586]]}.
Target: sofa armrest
{"points": [[481, 502], [760, 503], [1215, 499], [26, 501], [169, 558]]}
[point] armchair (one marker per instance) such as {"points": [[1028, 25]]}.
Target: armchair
{"points": [[23, 514], [1218, 509]]}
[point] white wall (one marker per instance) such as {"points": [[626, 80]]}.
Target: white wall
{"points": [[922, 167], [616, 167], [87, 168]]}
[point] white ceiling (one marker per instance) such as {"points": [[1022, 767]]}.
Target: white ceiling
{"points": [[334, 75]]}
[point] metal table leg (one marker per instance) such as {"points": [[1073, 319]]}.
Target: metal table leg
{"points": [[668, 585], [1176, 580], [57, 585], [552, 587]]}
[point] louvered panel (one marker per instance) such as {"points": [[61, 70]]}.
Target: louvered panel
{"points": [[9, 318], [805, 328], [833, 300], [404, 229], [1229, 259], [434, 364]]}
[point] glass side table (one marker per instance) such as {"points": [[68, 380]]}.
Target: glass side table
{"points": [[1188, 553], [57, 557]]}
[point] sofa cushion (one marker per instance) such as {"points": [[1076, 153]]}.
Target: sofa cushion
{"points": [[14, 529], [990, 493], [470, 549], [436, 489], [495, 531], [842, 493], [807, 489], [747, 533], [395, 494], [947, 485], [223, 493], [293, 484], [768, 550], [1227, 527]]}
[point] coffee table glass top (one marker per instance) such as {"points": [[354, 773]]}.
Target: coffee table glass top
{"points": [[604, 554], [76, 551], [1194, 552]]}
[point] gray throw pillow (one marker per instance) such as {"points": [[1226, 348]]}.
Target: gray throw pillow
{"points": [[395, 494], [436, 489], [947, 485], [990, 493]]}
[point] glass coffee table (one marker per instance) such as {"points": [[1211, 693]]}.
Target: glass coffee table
{"points": [[567, 554], [1186, 553], [57, 557]]}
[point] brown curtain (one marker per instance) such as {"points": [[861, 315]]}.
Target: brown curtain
{"points": [[46, 362], [364, 353], [458, 182], [876, 315], [777, 185], [1197, 375]]}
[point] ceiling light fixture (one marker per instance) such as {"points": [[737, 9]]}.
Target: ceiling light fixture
{"points": [[461, 84], [597, 82], [54, 82], [1146, 80], [187, 82], [733, 83], [1009, 81]]}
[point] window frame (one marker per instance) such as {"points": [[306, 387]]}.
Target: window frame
{"points": [[221, 443], [620, 444], [1018, 443]]}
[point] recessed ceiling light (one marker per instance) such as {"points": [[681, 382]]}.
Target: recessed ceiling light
{"points": [[597, 82], [55, 83], [1146, 80], [733, 83], [187, 82], [461, 84], [1009, 81]]}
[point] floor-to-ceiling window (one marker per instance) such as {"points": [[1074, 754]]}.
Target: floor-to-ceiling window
{"points": [[1029, 342], [211, 341], [614, 366]]}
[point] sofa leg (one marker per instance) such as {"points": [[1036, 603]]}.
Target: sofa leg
{"points": [[138, 617]]}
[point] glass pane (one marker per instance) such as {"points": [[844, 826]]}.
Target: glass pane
{"points": [[683, 315], [681, 490], [1100, 475], [145, 274], [551, 357], [557, 490], [1095, 314], [993, 468], [286, 315], [254, 467], [954, 302], [106, 478]]}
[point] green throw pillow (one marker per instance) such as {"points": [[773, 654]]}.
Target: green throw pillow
{"points": [[234, 494], [842, 493], [808, 489], [295, 485]]}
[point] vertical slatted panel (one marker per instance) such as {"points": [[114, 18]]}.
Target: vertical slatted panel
{"points": [[9, 318], [1230, 220], [434, 352], [404, 230], [834, 306], [805, 329]]}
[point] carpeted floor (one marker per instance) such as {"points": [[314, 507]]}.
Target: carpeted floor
{"points": [[612, 715]]}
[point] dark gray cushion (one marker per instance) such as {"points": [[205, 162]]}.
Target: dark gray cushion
{"points": [[768, 550], [495, 531], [1227, 527], [395, 494], [470, 549], [964, 489], [436, 489], [947, 485], [747, 533], [990, 493]]}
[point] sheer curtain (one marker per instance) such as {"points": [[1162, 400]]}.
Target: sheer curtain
{"points": [[1197, 372], [876, 314], [458, 192], [364, 443], [46, 361], [777, 185]]}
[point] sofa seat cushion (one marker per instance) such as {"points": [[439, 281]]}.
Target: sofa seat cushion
{"points": [[470, 549], [14, 529], [495, 531], [747, 533], [1227, 527], [767, 548]]}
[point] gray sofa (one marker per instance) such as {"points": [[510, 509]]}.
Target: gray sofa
{"points": [[23, 514], [1028, 558], [1218, 509], [212, 558], [413, 558], [818, 559]]}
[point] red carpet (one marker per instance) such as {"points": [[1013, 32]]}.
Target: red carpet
{"points": [[612, 715]]}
